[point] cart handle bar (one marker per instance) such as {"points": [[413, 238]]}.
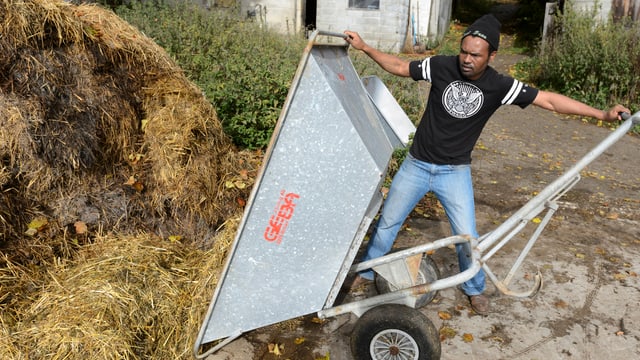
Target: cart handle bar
{"points": [[544, 195], [330, 33]]}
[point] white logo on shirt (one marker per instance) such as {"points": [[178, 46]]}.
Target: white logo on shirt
{"points": [[462, 100]]}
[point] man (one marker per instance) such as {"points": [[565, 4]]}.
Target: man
{"points": [[465, 92]]}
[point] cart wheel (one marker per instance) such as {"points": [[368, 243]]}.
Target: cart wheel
{"points": [[427, 273], [395, 332]]}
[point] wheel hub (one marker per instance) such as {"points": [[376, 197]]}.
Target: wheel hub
{"points": [[394, 351]]}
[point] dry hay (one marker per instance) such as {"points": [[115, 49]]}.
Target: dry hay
{"points": [[126, 297], [99, 125], [114, 156]]}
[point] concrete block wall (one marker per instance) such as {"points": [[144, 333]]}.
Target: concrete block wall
{"points": [[384, 28]]}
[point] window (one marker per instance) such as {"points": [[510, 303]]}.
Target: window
{"points": [[364, 4]]}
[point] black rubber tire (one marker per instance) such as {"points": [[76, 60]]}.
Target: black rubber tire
{"points": [[427, 273], [395, 332]]}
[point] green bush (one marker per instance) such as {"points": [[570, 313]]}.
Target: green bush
{"points": [[589, 60], [244, 69]]}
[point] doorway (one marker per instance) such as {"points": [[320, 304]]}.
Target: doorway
{"points": [[310, 14]]}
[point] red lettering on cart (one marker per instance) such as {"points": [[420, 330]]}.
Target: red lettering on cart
{"points": [[281, 215]]}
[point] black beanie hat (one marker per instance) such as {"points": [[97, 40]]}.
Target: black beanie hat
{"points": [[486, 27]]}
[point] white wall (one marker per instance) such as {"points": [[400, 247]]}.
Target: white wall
{"points": [[604, 7], [431, 20], [281, 15], [384, 28]]}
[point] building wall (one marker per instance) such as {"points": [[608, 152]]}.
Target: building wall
{"points": [[384, 28], [281, 15], [434, 18], [587, 5], [607, 9], [612, 8], [396, 25]]}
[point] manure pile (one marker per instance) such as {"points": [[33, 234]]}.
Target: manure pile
{"points": [[113, 168]]}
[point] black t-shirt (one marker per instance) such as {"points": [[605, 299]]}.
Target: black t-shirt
{"points": [[458, 108]]}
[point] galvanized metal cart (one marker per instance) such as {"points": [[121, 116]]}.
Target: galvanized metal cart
{"points": [[314, 199]]}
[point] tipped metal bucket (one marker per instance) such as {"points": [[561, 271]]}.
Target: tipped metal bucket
{"points": [[318, 190]]}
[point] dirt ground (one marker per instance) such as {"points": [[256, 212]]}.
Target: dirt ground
{"points": [[587, 255]]}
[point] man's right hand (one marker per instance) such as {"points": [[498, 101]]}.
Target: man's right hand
{"points": [[390, 63], [354, 39]]}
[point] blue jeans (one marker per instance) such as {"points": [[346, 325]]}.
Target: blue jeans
{"points": [[453, 187]]}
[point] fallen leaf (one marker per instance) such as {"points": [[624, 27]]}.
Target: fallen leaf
{"points": [[81, 227], [619, 276], [447, 333], [560, 304], [138, 186], [175, 238], [135, 158], [130, 181], [619, 333], [580, 256], [276, 349], [242, 202], [467, 338], [317, 320], [536, 220], [299, 340], [444, 315], [36, 225], [134, 183], [325, 357], [496, 339]]}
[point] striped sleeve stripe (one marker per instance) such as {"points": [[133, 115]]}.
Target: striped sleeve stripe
{"points": [[426, 69], [511, 96]]}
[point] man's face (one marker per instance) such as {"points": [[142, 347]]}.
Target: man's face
{"points": [[474, 57]]}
